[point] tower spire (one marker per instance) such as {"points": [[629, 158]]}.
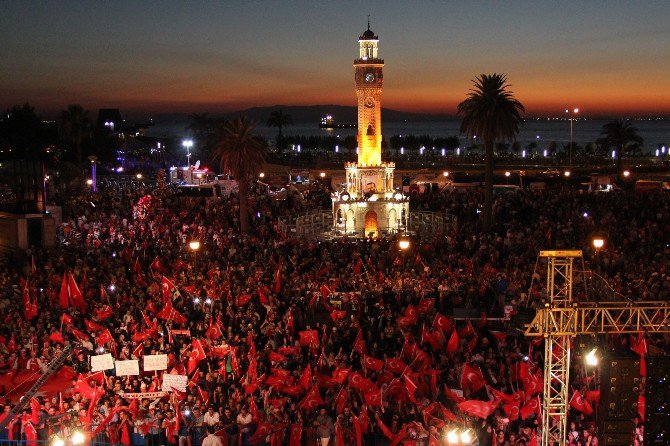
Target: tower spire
{"points": [[368, 22]]}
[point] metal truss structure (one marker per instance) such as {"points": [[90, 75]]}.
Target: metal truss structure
{"points": [[560, 319]]}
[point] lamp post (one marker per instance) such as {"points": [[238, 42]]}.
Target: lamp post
{"points": [[188, 144], [94, 172], [194, 246], [571, 118]]}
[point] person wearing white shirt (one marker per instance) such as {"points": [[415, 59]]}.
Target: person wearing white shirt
{"points": [[211, 418], [211, 439]]}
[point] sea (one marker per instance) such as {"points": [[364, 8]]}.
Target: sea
{"points": [[656, 132]]}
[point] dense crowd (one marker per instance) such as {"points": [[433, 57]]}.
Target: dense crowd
{"points": [[288, 341]]}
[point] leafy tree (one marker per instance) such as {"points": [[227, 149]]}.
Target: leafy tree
{"points": [[22, 133], [493, 114], [241, 154], [279, 119], [75, 126], [622, 136]]}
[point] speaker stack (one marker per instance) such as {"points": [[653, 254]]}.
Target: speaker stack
{"points": [[619, 391], [657, 402]]}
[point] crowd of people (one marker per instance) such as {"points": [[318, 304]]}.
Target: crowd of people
{"points": [[300, 342]]}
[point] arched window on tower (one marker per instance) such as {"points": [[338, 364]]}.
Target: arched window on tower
{"points": [[371, 131]]}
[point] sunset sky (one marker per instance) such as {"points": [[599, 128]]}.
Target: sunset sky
{"points": [[605, 57]]}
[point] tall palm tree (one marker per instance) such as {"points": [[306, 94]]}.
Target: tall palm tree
{"points": [[279, 119], [241, 154], [201, 125], [491, 113], [74, 126], [622, 136]]}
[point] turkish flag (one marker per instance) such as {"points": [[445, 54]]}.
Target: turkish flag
{"points": [[309, 338], [296, 434], [530, 407], [434, 337], [305, 379], [65, 319], [104, 313], [312, 400], [92, 327], [357, 381], [35, 407], [337, 315], [452, 345], [196, 355], [472, 378], [395, 438], [452, 396], [157, 266], [168, 288], [358, 267], [411, 317], [324, 291], [411, 388], [578, 402], [262, 431], [396, 365], [56, 336], [641, 406], [276, 357], [340, 399], [359, 344], [277, 284], [76, 297], [243, 299], [373, 398], [476, 408], [443, 323], [532, 383], [64, 295], [467, 331], [374, 364], [512, 410], [425, 305], [105, 337], [593, 396], [340, 375], [290, 390], [214, 331]]}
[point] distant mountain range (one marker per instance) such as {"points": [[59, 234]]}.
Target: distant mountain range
{"points": [[312, 114]]}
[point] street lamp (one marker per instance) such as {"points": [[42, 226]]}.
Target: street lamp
{"points": [[403, 243], [94, 172], [445, 173], [626, 173], [188, 143], [566, 174], [138, 176], [598, 243], [322, 175], [261, 175], [194, 245], [89, 182], [575, 111]]}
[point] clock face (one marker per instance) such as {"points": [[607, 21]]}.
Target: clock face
{"points": [[369, 102], [369, 77]]}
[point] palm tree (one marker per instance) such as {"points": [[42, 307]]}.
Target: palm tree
{"points": [[241, 154], [492, 114], [75, 126], [279, 119], [201, 125], [622, 136]]}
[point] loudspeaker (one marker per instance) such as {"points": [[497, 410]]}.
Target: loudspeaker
{"points": [[656, 431], [617, 439], [619, 388], [657, 402], [657, 390]]}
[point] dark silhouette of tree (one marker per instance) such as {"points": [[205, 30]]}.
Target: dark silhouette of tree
{"points": [[279, 119], [622, 136], [23, 134], [241, 154], [493, 114], [75, 126]]}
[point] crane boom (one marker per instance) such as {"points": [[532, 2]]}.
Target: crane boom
{"points": [[52, 368]]}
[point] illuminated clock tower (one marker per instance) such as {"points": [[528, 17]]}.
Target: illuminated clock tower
{"points": [[369, 206], [369, 83]]}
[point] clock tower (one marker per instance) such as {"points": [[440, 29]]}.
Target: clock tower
{"points": [[369, 82], [369, 206]]}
